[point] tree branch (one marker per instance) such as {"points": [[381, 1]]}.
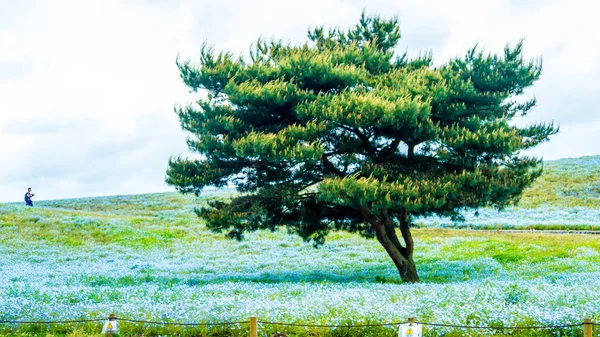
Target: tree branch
{"points": [[370, 149], [406, 235], [366, 213], [391, 231], [330, 166], [386, 151], [366, 142], [411, 150]]}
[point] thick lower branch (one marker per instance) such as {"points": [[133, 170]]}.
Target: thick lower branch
{"points": [[406, 234], [391, 232]]}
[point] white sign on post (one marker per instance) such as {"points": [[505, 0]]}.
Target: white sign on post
{"points": [[110, 327], [410, 330]]}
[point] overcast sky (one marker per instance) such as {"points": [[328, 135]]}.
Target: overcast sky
{"points": [[87, 88]]}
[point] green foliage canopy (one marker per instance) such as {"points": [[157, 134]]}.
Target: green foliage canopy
{"points": [[326, 134]]}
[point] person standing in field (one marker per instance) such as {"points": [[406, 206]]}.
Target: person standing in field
{"points": [[28, 196]]}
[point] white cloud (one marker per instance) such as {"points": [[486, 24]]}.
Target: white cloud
{"points": [[87, 88]]}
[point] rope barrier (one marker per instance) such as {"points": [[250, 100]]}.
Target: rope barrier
{"points": [[304, 325], [122, 320], [176, 323], [424, 323], [330, 325], [531, 327], [54, 322]]}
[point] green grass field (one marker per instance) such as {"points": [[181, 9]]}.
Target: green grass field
{"points": [[149, 257]]}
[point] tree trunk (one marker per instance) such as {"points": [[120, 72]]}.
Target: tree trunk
{"points": [[409, 273], [402, 256]]}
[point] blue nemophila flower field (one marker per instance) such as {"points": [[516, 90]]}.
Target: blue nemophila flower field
{"points": [[149, 257]]}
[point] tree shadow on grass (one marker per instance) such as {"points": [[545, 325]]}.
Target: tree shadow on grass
{"points": [[442, 272]]}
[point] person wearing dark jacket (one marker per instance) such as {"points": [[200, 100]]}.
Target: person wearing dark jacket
{"points": [[28, 197]]}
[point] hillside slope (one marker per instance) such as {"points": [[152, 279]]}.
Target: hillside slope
{"points": [[565, 183]]}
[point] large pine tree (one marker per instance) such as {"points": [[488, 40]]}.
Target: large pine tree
{"points": [[340, 133]]}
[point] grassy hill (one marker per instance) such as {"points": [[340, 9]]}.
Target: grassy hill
{"points": [[150, 257], [566, 183], [566, 196]]}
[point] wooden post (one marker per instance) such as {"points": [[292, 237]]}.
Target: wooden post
{"points": [[253, 326], [111, 317], [587, 327], [412, 319]]}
